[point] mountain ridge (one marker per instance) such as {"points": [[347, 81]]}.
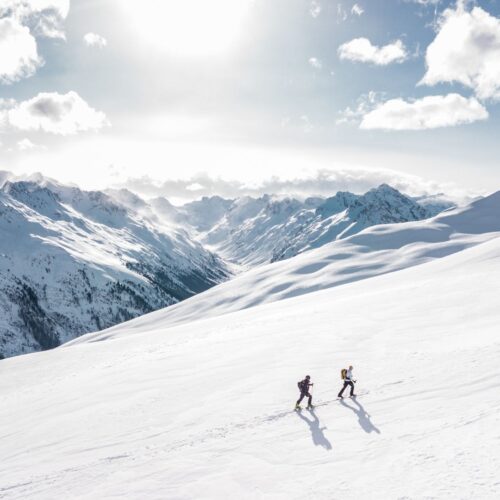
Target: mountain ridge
{"points": [[254, 231], [74, 261], [375, 251]]}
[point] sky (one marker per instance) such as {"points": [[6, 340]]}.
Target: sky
{"points": [[196, 97]]}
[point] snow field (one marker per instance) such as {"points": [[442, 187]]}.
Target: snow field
{"points": [[204, 410]]}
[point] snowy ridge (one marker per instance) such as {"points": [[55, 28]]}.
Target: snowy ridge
{"points": [[253, 231], [73, 261], [377, 250], [204, 410]]}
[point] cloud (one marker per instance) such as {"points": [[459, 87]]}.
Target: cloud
{"points": [[365, 104], [307, 126], [43, 17], [357, 10], [196, 186], [315, 63], [62, 114], [323, 182], [362, 50], [18, 51], [25, 144], [29, 7], [342, 14], [427, 113], [95, 40], [466, 50], [424, 2], [21, 21], [315, 9]]}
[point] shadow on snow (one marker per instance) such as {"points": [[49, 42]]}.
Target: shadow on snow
{"points": [[317, 434], [363, 417]]}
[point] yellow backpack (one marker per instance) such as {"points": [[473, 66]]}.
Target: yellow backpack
{"points": [[343, 373]]}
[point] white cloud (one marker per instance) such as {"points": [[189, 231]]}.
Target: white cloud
{"points": [[322, 182], [62, 114], [362, 50], [18, 51], [357, 10], [427, 113], [315, 63], [25, 145], [307, 126], [195, 186], [60, 7], [466, 49], [365, 104], [95, 40], [341, 13], [44, 17], [315, 9], [425, 2]]}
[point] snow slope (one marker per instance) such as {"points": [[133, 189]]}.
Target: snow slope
{"points": [[374, 251], [203, 410]]}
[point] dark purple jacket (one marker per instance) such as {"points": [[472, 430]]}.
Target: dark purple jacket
{"points": [[304, 385]]}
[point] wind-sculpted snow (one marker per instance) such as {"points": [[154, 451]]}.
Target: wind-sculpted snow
{"points": [[204, 410], [73, 261], [374, 251]]}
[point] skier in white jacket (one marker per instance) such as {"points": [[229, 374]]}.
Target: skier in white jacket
{"points": [[348, 381]]}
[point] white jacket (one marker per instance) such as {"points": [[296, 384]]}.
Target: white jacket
{"points": [[348, 375]]}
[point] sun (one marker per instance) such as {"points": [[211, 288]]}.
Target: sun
{"points": [[188, 27]]}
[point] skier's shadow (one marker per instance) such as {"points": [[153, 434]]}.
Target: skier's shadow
{"points": [[317, 434], [363, 417]]}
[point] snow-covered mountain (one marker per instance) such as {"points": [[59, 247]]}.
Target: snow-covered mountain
{"points": [[204, 410], [73, 261], [374, 251], [253, 231]]}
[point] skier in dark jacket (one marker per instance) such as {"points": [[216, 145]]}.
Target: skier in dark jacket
{"points": [[304, 391], [348, 382]]}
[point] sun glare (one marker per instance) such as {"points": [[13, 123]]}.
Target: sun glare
{"points": [[189, 27]]}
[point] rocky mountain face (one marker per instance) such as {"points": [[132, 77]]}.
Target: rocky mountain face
{"points": [[73, 261], [255, 231], [346, 214]]}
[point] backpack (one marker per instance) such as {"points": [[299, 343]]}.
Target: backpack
{"points": [[343, 373], [300, 385]]}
